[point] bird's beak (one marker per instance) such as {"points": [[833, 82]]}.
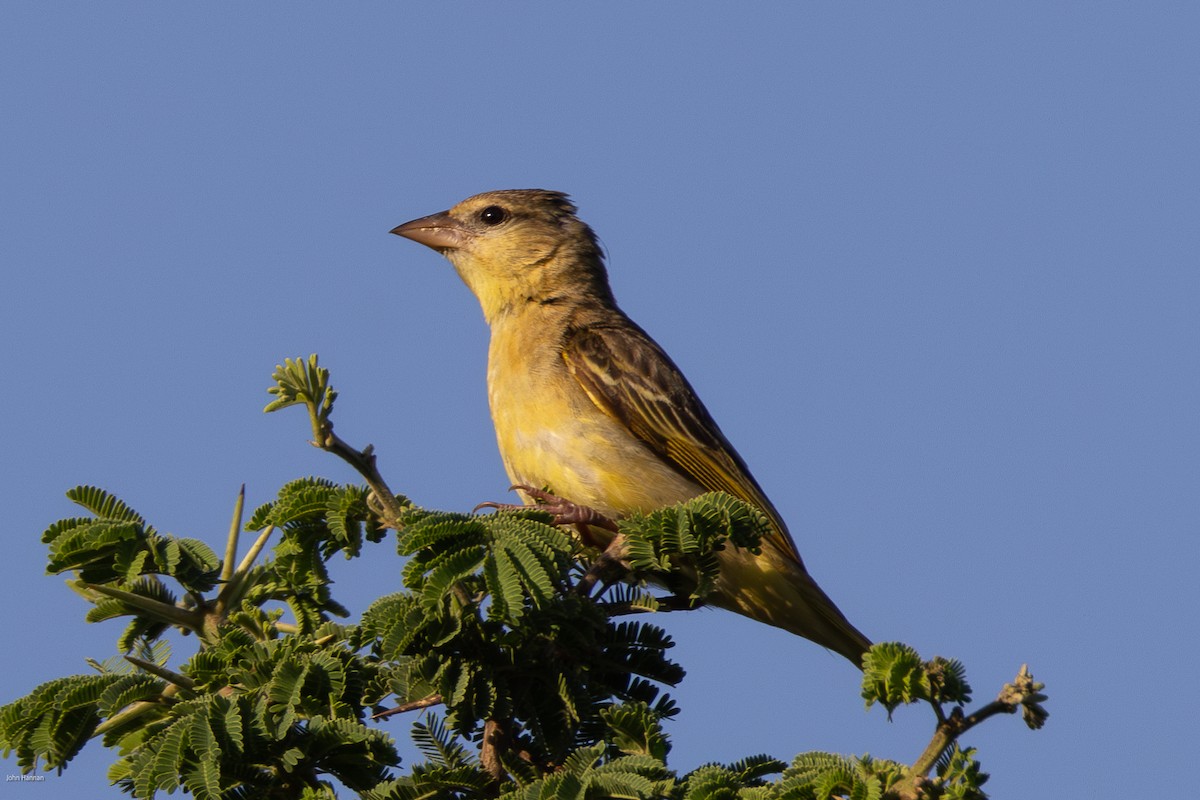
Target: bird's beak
{"points": [[439, 231]]}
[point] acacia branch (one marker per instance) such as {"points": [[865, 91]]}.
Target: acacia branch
{"points": [[363, 462], [610, 563], [489, 750], [303, 381], [664, 605], [1022, 694], [413, 705], [136, 710], [182, 681], [155, 609]]}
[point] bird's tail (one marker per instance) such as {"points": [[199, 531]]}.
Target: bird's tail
{"points": [[776, 589]]}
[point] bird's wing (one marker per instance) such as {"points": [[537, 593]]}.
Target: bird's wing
{"points": [[628, 376]]}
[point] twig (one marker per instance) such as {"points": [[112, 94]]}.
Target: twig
{"points": [[304, 382], [135, 710], [1022, 694], [191, 619], [666, 604], [413, 705], [363, 462], [182, 681], [610, 561]]}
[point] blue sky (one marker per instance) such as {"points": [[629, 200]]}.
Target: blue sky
{"points": [[933, 269]]}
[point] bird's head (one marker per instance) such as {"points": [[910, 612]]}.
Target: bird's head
{"points": [[516, 246]]}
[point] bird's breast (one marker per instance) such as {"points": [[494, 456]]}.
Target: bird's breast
{"points": [[551, 434]]}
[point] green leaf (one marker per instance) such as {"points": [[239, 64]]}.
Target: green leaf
{"points": [[636, 730], [302, 381], [287, 684], [894, 675], [437, 744], [164, 769], [960, 774], [129, 689], [104, 505]]}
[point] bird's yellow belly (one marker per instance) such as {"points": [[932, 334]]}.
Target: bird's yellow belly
{"points": [[581, 454]]}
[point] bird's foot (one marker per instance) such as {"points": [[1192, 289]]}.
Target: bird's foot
{"points": [[564, 511]]}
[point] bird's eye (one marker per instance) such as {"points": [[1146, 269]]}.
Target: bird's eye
{"points": [[493, 215]]}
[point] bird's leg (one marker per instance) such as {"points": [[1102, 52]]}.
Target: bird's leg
{"points": [[564, 511]]}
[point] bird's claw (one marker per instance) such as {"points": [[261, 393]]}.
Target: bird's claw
{"points": [[563, 511], [611, 560]]}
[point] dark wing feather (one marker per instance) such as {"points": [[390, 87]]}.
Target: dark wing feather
{"points": [[627, 375]]}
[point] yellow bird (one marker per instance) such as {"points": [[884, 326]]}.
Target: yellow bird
{"points": [[587, 404]]}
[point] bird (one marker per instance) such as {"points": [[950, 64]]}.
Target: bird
{"points": [[589, 407]]}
